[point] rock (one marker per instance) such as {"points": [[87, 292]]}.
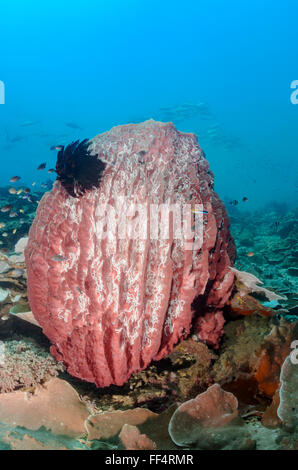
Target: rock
{"points": [[4, 293], [55, 406], [17, 259], [21, 245], [192, 360], [210, 328], [26, 316], [245, 304], [112, 304], [212, 409], [252, 354], [271, 356], [4, 267], [243, 341], [108, 424], [132, 439]]}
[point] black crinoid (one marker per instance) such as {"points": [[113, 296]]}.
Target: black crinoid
{"points": [[78, 170]]}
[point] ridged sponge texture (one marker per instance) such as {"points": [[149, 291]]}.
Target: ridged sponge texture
{"points": [[109, 304]]}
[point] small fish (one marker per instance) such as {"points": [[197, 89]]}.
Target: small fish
{"points": [[12, 190], [250, 254], [6, 208], [4, 234], [27, 190], [275, 225], [34, 183], [42, 166], [234, 203], [245, 199], [14, 179], [59, 258], [27, 197], [16, 273], [72, 125], [28, 123], [13, 214], [51, 170], [14, 231], [22, 211], [19, 192], [2, 224], [16, 139], [57, 147], [194, 211]]}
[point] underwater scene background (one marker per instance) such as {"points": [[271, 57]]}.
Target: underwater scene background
{"points": [[222, 70]]}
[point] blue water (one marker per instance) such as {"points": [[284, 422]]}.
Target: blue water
{"points": [[97, 64]]}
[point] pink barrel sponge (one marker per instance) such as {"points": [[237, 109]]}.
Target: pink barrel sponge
{"points": [[112, 299]]}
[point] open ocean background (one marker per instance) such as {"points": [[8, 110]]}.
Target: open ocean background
{"points": [[75, 69]]}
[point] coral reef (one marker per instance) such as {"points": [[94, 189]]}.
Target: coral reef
{"points": [[272, 238], [112, 304], [250, 361]]}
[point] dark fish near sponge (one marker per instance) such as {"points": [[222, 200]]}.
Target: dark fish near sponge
{"points": [[6, 208], [72, 125], [14, 179], [234, 203], [57, 147], [42, 166]]}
